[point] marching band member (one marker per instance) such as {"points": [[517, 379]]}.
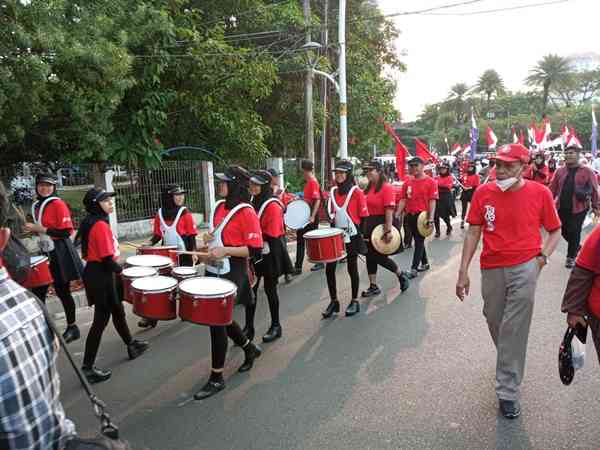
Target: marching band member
{"points": [[418, 194], [174, 225], [285, 198], [312, 196], [380, 204], [347, 207], [445, 183], [270, 213], [538, 170], [53, 224], [470, 181], [100, 249], [235, 237]]}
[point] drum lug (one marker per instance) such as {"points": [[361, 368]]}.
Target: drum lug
{"points": [[194, 303]]}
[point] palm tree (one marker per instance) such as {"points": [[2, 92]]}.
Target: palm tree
{"points": [[490, 83], [456, 99], [549, 72]]}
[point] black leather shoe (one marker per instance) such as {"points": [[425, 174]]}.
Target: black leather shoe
{"points": [[353, 308], [448, 231], [332, 308], [297, 271], [411, 274], [403, 280], [423, 268], [249, 333], [372, 291], [147, 323], [317, 266], [570, 263], [136, 348], [252, 352], [273, 334], [288, 278], [95, 375], [209, 389], [437, 234], [71, 333], [462, 225], [510, 409]]}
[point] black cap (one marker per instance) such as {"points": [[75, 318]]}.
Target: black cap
{"points": [[307, 164], [47, 177], [415, 160], [373, 164], [174, 189], [343, 166], [274, 172], [233, 173], [95, 195], [260, 177]]}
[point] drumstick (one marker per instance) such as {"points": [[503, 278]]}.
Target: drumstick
{"points": [[133, 245]]}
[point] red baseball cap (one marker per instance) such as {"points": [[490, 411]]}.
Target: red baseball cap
{"points": [[513, 153]]}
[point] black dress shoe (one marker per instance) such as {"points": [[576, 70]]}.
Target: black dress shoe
{"points": [[423, 268], [372, 291], [411, 274], [136, 348], [448, 231], [288, 278], [404, 282], [317, 266], [297, 271], [273, 334], [252, 352], [95, 375], [332, 308], [209, 389], [510, 409], [353, 308], [147, 323], [437, 234], [249, 333], [71, 333]]}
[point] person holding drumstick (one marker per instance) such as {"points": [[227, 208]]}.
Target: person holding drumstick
{"points": [[285, 198], [100, 249], [53, 224], [271, 266], [347, 207], [174, 225], [381, 202], [235, 237]]}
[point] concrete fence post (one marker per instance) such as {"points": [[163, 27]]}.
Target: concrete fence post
{"points": [[208, 187], [277, 164], [104, 180]]}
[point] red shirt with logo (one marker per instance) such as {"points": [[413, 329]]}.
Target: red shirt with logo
{"points": [[101, 242], [446, 182], [511, 222], [471, 181], [418, 192], [357, 207], [541, 176], [242, 230], [589, 259], [312, 191], [56, 215], [271, 220], [185, 227], [377, 202]]}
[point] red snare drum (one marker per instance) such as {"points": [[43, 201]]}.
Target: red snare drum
{"points": [[161, 263], [183, 272], [325, 245], [133, 273], [39, 273], [154, 297], [159, 250], [207, 300]]}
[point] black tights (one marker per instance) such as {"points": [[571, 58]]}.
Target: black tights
{"points": [[420, 254], [571, 230], [352, 266], [63, 292], [465, 206], [375, 259], [218, 342], [102, 314]]}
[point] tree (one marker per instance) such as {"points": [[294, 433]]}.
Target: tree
{"points": [[490, 83], [551, 71], [457, 100]]}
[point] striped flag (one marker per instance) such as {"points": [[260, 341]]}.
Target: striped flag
{"points": [[492, 140], [515, 139], [474, 137], [594, 133]]}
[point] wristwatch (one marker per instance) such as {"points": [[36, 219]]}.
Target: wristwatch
{"points": [[542, 256]]}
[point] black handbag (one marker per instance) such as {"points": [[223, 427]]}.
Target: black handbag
{"points": [[108, 438]]}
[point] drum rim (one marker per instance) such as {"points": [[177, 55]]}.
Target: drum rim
{"points": [[195, 270], [155, 291], [168, 262], [160, 247], [331, 231], [124, 274], [41, 259], [208, 296], [287, 210]]}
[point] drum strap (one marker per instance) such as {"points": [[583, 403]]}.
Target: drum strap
{"points": [[38, 218], [267, 203], [212, 215], [343, 212], [229, 216]]}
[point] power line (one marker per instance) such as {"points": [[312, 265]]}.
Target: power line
{"points": [[251, 10], [490, 11]]}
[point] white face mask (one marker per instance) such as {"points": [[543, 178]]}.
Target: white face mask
{"points": [[505, 185]]}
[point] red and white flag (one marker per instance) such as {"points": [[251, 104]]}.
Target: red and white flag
{"points": [[515, 139], [423, 152], [456, 149], [492, 140]]}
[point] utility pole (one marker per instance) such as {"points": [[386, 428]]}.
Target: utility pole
{"points": [[342, 69], [309, 137], [324, 87]]}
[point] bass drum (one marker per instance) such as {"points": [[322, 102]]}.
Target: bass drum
{"points": [[297, 214]]}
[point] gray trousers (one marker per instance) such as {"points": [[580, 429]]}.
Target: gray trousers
{"points": [[508, 297]]}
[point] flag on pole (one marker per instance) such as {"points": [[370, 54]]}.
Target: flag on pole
{"points": [[474, 136], [515, 139], [423, 151], [531, 134], [492, 140], [401, 150], [594, 134], [521, 138], [467, 150], [456, 149]]}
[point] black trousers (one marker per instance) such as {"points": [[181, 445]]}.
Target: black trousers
{"points": [[272, 298], [375, 259], [571, 230], [100, 290], [352, 266], [420, 254], [443, 210], [408, 237], [218, 341], [465, 200], [300, 244], [63, 292]]}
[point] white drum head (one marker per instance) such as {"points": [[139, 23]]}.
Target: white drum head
{"points": [[208, 287], [35, 260], [322, 232], [297, 214], [184, 271], [149, 261], [150, 284], [139, 272]]}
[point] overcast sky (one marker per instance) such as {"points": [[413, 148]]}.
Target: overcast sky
{"points": [[443, 50]]}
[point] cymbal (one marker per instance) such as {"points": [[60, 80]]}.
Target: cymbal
{"points": [[383, 247], [424, 230]]}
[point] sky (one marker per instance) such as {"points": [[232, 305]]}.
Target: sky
{"points": [[444, 50]]}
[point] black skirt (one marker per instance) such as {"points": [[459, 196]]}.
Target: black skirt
{"points": [[444, 203], [100, 288], [371, 223], [466, 196], [273, 262], [357, 245], [238, 275], [65, 263]]}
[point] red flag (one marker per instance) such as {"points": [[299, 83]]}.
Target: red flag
{"points": [[401, 151], [423, 152]]}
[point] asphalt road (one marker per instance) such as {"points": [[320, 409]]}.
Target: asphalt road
{"points": [[412, 371]]}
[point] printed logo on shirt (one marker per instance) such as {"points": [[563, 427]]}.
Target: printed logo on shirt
{"points": [[409, 192], [253, 235], [490, 217]]}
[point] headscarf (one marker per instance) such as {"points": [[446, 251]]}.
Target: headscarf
{"points": [[167, 203], [95, 214]]}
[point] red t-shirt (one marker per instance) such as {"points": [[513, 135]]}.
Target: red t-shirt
{"points": [[271, 221], [539, 176], [471, 181], [56, 215], [357, 208], [312, 191], [418, 193], [101, 242], [242, 230], [185, 227], [511, 222], [377, 202], [397, 192], [446, 182], [589, 258]]}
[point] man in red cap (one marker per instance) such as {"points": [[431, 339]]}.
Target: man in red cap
{"points": [[509, 214]]}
